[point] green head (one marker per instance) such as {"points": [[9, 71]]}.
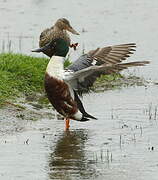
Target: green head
{"points": [[60, 47], [57, 47]]}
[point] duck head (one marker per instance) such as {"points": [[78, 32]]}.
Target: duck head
{"points": [[58, 47], [64, 24]]}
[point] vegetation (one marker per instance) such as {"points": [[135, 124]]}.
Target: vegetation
{"points": [[20, 74], [24, 75]]}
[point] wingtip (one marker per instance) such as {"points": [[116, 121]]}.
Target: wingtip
{"points": [[142, 62], [147, 62]]}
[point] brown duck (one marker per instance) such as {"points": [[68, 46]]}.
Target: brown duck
{"points": [[58, 30]]}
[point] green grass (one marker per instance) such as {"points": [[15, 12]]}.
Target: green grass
{"points": [[109, 78], [20, 74], [24, 75]]}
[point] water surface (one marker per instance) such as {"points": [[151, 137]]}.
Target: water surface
{"points": [[122, 143]]}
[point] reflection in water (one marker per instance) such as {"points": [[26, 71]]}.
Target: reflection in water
{"points": [[68, 158]]}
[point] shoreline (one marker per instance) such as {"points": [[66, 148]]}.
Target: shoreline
{"points": [[22, 77]]}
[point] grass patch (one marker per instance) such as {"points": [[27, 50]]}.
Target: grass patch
{"points": [[24, 75], [20, 74], [109, 78]]}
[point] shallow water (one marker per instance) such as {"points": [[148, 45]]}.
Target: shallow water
{"points": [[122, 143]]}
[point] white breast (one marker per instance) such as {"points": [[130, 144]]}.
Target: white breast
{"points": [[55, 67]]}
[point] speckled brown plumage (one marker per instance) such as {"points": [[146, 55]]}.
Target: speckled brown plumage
{"points": [[51, 33], [58, 30]]}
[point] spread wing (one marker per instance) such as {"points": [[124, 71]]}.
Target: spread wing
{"points": [[83, 79], [89, 66], [109, 55]]}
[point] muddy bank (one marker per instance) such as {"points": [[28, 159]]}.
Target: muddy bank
{"points": [[120, 82], [14, 117]]}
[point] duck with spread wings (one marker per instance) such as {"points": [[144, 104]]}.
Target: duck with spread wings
{"points": [[63, 86]]}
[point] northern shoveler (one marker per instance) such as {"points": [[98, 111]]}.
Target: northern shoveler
{"points": [[58, 30], [63, 85]]}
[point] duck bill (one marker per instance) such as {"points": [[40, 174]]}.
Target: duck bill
{"points": [[40, 49], [44, 48], [73, 31]]}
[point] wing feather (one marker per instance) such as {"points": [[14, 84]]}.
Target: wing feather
{"points": [[118, 52], [106, 60], [83, 79], [109, 55]]}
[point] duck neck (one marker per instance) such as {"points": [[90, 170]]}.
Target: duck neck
{"points": [[55, 67]]}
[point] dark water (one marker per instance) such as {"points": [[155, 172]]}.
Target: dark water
{"points": [[122, 143]]}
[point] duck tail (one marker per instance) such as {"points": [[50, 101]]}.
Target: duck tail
{"points": [[89, 116], [86, 117]]}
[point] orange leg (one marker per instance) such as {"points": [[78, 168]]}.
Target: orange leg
{"points": [[67, 123]]}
